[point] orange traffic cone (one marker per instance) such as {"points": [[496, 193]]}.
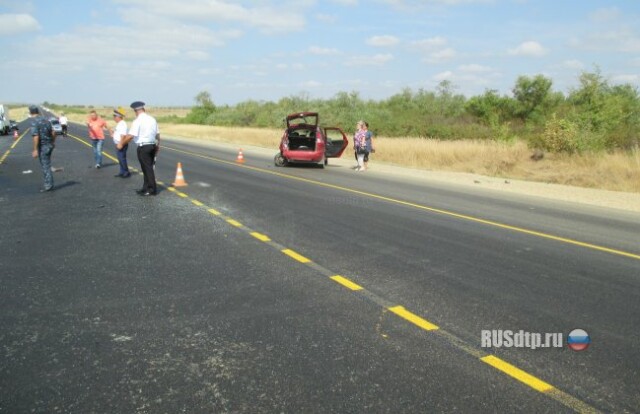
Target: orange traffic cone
{"points": [[15, 134], [179, 182], [240, 158]]}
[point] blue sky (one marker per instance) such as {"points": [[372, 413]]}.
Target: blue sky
{"points": [[166, 51]]}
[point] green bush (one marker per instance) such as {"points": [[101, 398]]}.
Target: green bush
{"points": [[559, 135]]}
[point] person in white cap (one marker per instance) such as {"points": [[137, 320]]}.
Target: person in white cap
{"points": [[117, 133], [145, 133]]}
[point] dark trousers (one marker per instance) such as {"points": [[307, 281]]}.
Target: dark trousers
{"points": [[146, 155], [122, 160], [44, 155]]}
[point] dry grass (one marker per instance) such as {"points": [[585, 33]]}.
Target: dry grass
{"points": [[261, 137], [617, 171], [107, 113], [19, 113]]}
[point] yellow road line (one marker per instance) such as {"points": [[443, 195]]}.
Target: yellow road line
{"points": [[413, 318], [171, 189], [517, 373], [425, 208], [260, 236], [296, 256], [181, 194], [214, 212], [197, 203], [346, 282], [234, 223]]}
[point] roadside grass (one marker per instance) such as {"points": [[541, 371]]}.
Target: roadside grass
{"points": [[19, 113]]}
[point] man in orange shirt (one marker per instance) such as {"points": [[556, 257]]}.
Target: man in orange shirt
{"points": [[96, 127]]}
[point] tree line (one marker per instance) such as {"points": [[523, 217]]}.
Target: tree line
{"points": [[594, 116]]}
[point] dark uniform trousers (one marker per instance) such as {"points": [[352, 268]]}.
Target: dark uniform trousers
{"points": [[146, 155]]}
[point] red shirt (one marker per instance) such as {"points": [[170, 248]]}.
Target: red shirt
{"points": [[96, 128]]}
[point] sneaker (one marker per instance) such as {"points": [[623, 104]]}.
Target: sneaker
{"points": [[44, 190], [98, 166]]}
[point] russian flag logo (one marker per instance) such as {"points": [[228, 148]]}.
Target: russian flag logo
{"points": [[578, 340]]}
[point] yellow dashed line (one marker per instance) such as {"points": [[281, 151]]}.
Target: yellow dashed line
{"points": [[214, 212], [181, 194], [517, 373], [296, 256], [197, 203], [171, 189], [260, 236], [234, 223], [413, 318], [160, 182], [346, 282]]}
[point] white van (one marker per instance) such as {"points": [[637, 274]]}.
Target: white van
{"points": [[5, 123]]}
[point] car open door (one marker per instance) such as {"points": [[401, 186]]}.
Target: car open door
{"points": [[336, 142]]}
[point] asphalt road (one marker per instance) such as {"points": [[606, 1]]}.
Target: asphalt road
{"points": [[185, 302]]}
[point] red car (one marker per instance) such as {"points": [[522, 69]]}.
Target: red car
{"points": [[305, 142]]}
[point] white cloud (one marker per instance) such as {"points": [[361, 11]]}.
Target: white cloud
{"points": [[529, 48], [17, 23], [375, 60], [197, 55], [265, 18], [441, 56], [605, 14], [346, 2], [626, 78], [413, 4], [382, 41], [474, 68], [310, 84], [18, 6], [447, 75], [317, 50], [430, 43], [623, 40], [326, 18], [573, 64]]}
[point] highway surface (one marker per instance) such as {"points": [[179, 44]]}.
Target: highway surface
{"points": [[264, 289]]}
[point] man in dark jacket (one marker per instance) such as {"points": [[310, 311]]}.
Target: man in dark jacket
{"points": [[44, 138]]}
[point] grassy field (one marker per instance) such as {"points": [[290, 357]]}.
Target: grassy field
{"points": [[618, 171]]}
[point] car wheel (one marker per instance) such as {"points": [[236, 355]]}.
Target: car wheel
{"points": [[279, 160]]}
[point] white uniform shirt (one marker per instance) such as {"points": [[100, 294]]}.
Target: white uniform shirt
{"points": [[121, 129], [63, 120], [144, 129]]}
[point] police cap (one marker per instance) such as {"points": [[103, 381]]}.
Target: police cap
{"points": [[137, 105]]}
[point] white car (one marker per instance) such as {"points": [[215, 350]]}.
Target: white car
{"points": [[55, 124]]}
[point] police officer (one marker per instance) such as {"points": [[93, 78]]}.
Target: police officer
{"points": [[144, 132], [44, 138]]}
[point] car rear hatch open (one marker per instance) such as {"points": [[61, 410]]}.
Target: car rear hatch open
{"points": [[302, 130]]}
